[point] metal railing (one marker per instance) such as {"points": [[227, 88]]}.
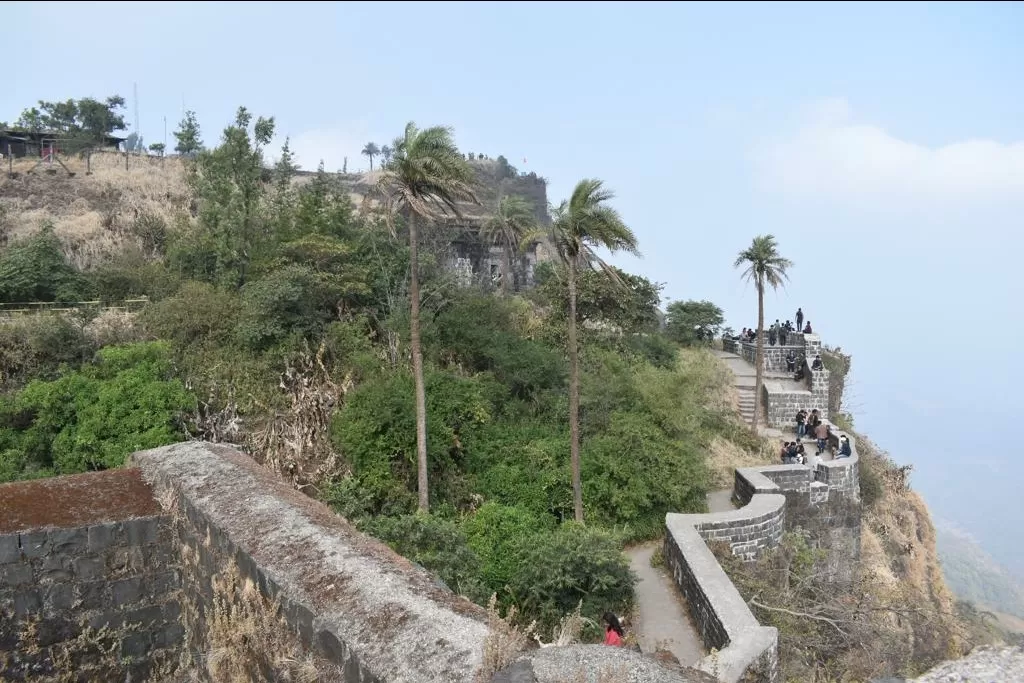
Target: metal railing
{"points": [[11, 310]]}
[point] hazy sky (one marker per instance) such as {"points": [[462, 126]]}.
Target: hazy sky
{"points": [[883, 145]]}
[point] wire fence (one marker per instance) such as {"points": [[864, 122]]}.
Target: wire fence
{"points": [[17, 309]]}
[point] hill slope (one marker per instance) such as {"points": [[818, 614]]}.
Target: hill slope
{"points": [[974, 575]]}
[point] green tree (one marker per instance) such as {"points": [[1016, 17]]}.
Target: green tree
{"points": [[426, 178], [190, 142], [764, 267], [228, 181], [371, 150], [386, 153], [510, 228], [582, 223], [157, 148], [689, 322], [81, 123], [628, 302], [34, 269]]}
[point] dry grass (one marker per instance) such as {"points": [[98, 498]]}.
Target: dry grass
{"points": [[113, 327], [505, 640], [725, 457], [93, 214]]}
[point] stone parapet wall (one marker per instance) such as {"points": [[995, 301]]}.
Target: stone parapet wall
{"points": [[746, 651], [781, 406], [358, 609], [89, 580]]}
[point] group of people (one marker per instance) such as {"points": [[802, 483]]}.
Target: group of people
{"points": [[796, 366], [812, 424], [778, 332]]}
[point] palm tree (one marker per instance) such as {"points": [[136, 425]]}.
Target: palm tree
{"points": [[371, 150], [583, 223], [385, 153], [764, 266], [425, 179], [512, 226]]}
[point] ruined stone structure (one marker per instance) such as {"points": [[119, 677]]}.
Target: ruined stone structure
{"points": [[782, 396]]}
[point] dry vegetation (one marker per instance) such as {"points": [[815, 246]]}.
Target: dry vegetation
{"points": [[97, 215]]}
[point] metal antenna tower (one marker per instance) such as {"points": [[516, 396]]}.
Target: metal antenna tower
{"points": [[135, 96]]}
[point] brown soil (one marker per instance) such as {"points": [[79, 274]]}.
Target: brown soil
{"points": [[75, 500]]}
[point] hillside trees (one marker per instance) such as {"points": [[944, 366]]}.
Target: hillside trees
{"points": [[82, 123], [765, 268], [371, 150], [188, 135], [693, 322], [426, 178], [582, 223]]}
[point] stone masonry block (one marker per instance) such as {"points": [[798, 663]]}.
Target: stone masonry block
{"points": [[142, 531], [104, 536], [69, 541], [35, 544], [126, 591], [59, 597], [27, 602], [88, 568], [92, 594], [135, 645], [10, 548], [169, 636], [13, 575]]}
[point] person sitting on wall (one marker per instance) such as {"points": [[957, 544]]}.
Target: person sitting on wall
{"points": [[807, 328], [784, 452], [801, 454], [845, 451], [801, 419], [790, 361], [817, 364], [613, 632], [800, 368], [791, 452]]}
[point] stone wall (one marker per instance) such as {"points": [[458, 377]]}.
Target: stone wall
{"points": [[746, 650], [339, 599], [89, 582]]}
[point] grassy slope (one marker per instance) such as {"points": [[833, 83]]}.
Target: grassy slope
{"points": [[972, 574]]}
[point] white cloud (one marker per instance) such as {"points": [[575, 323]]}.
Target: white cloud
{"points": [[833, 156]]}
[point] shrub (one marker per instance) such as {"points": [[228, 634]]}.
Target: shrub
{"points": [[500, 534], [437, 544], [35, 269], [376, 429], [634, 474], [284, 302], [571, 563], [198, 312], [36, 347]]}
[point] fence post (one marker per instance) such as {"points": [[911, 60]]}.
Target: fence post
{"points": [[126, 159], [10, 162]]}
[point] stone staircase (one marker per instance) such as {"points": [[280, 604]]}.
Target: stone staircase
{"points": [[746, 403]]}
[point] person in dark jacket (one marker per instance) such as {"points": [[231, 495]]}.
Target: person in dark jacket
{"points": [[799, 317]]}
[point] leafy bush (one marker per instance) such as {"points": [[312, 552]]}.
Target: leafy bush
{"points": [[571, 563], [634, 474], [34, 269], [36, 347], [437, 544], [376, 429], [198, 312], [285, 302], [93, 418], [500, 535]]}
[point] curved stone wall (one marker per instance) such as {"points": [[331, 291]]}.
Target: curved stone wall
{"points": [[821, 497]]}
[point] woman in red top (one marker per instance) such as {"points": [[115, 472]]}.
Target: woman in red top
{"points": [[613, 632]]}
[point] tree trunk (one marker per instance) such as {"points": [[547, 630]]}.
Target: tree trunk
{"points": [[759, 356], [574, 399], [417, 366], [506, 270]]}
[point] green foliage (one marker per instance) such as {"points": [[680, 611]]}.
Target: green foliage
{"points": [[437, 544], [198, 312], [376, 430], [37, 347], [82, 123], [633, 474], [34, 269], [628, 302], [287, 301], [693, 322], [501, 535], [189, 139], [94, 417], [570, 564]]}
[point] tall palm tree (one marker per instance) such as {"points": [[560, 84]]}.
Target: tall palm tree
{"points": [[425, 179], [582, 223], [385, 153], [371, 150], [512, 225], [764, 267]]}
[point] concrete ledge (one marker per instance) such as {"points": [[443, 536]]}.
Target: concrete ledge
{"points": [[746, 650], [354, 600]]}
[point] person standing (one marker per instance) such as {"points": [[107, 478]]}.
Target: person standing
{"points": [[799, 318]]}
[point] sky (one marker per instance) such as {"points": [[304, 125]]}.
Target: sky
{"points": [[882, 144]]}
